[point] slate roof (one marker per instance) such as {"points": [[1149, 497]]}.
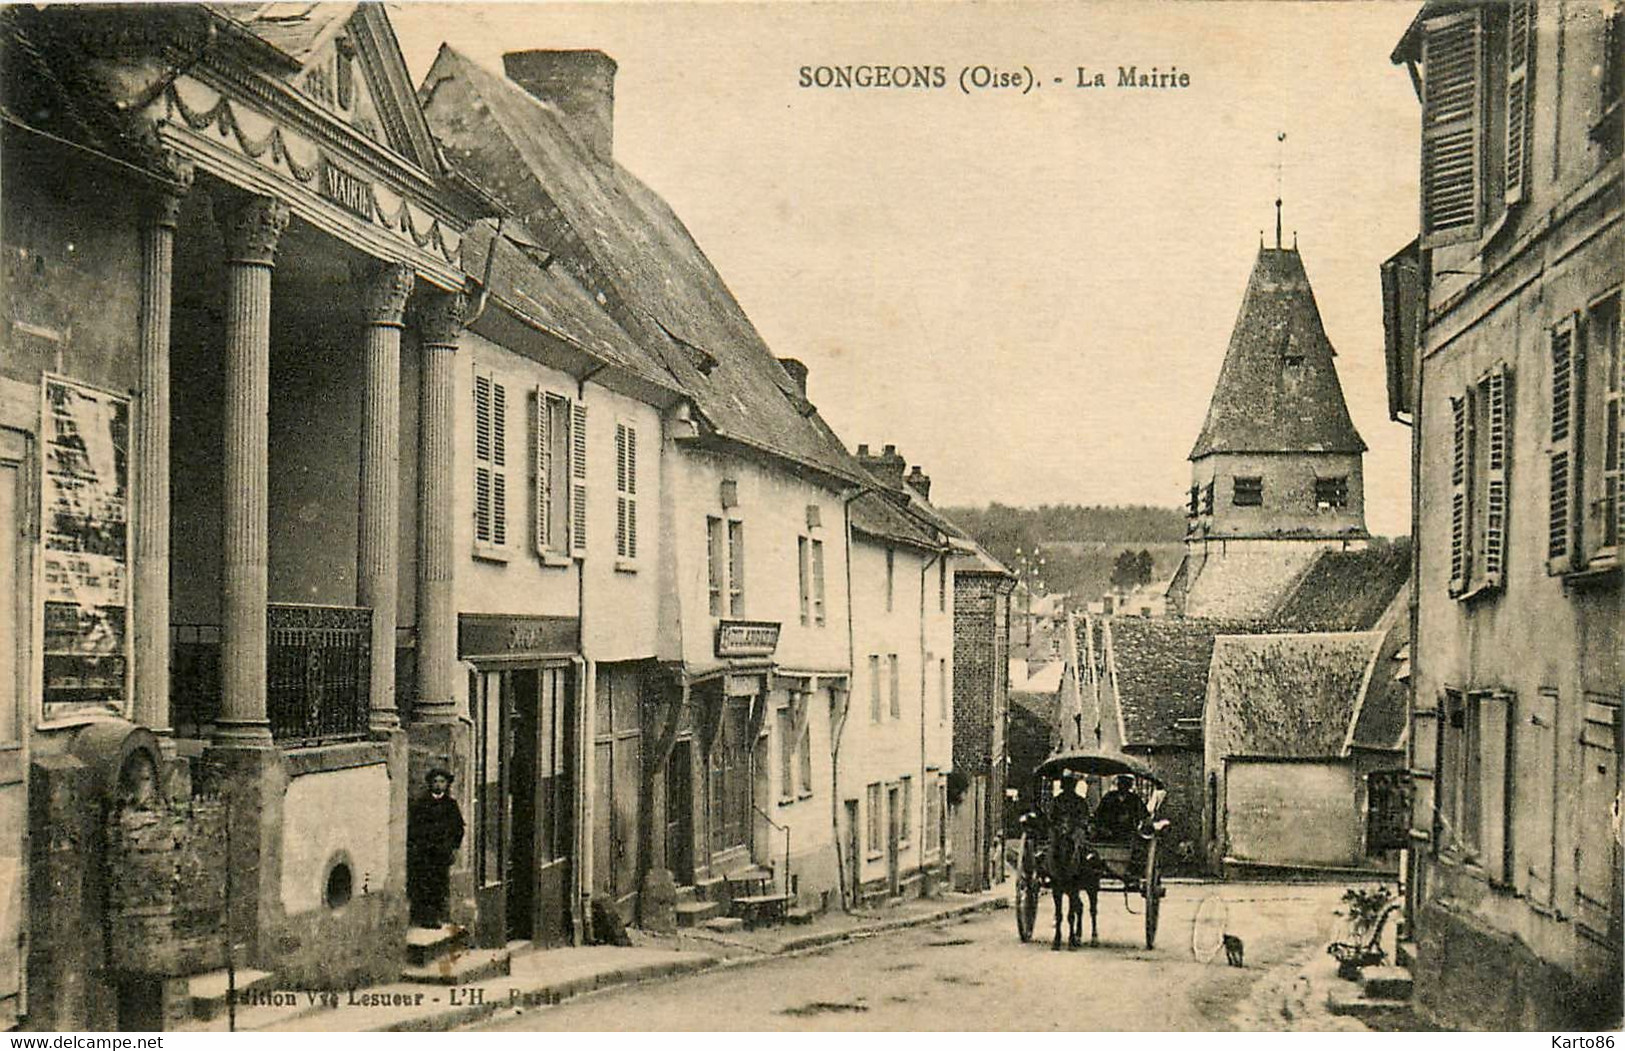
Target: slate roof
{"points": [[1161, 669], [550, 298], [295, 29], [1262, 404], [1380, 724], [1287, 696], [1345, 590], [45, 87], [876, 516], [657, 282]]}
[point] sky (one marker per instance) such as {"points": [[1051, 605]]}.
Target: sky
{"points": [[1028, 293]]}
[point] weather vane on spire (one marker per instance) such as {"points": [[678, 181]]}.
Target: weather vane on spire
{"points": [[1280, 158]]}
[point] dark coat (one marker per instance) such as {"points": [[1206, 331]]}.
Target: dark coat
{"points": [[434, 830], [1120, 812]]}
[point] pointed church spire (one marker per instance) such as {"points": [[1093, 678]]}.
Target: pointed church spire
{"points": [[1278, 390]]}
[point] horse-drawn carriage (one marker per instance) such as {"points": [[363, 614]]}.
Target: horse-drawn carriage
{"points": [[1066, 856]]}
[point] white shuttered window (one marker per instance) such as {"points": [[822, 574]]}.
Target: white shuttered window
{"points": [[626, 491], [490, 461]]}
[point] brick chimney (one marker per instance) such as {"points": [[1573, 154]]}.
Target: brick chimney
{"points": [[888, 466], [579, 84], [920, 482], [797, 371]]}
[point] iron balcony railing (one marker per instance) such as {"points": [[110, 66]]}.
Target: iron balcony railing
{"points": [[318, 674]]}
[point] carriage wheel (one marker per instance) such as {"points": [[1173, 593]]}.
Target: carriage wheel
{"points": [[1151, 887], [1027, 891]]}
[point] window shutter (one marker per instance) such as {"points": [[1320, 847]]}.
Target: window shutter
{"points": [[1494, 744], [1495, 483], [818, 581], [1520, 48], [483, 482], [1560, 453], [631, 492], [626, 487], [804, 568], [499, 463], [1458, 495], [1452, 60], [578, 478], [543, 468]]}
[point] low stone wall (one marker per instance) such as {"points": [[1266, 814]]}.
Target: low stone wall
{"points": [[166, 888], [1470, 978]]}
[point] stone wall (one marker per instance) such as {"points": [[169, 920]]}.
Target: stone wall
{"points": [[1244, 579], [1468, 977], [166, 888]]}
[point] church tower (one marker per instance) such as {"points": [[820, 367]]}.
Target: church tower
{"points": [[1276, 471]]}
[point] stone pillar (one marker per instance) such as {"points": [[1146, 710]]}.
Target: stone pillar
{"points": [[440, 321], [251, 227], [384, 293], [149, 534]]}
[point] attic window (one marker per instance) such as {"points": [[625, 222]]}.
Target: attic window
{"points": [[1292, 358], [1247, 492]]}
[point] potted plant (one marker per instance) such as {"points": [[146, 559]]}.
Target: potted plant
{"points": [[1367, 910]]}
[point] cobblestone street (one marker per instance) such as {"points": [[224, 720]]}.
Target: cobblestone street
{"points": [[975, 974]]}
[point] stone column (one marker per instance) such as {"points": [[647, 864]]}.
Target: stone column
{"points": [[440, 321], [251, 227], [384, 291], [149, 534]]}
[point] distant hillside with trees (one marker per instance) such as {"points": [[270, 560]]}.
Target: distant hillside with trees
{"points": [[1083, 548]]}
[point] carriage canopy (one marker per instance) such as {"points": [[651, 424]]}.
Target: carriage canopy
{"points": [[1097, 764]]}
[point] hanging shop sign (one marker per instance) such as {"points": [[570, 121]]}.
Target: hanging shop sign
{"points": [[84, 506], [747, 638]]}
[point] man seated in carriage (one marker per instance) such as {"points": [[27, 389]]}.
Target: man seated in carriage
{"points": [[1069, 809], [1121, 810]]}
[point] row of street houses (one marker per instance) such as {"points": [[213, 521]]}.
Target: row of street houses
{"points": [[348, 431]]}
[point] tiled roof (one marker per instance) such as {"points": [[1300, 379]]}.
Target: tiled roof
{"points": [[1286, 696], [626, 240], [1383, 713], [1345, 590], [1262, 403], [1161, 667]]}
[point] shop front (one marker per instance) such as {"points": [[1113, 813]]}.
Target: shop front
{"points": [[521, 803]]}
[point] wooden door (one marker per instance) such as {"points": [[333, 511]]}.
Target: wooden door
{"points": [[854, 852], [489, 806], [14, 663], [617, 765], [680, 812], [554, 807], [894, 836]]}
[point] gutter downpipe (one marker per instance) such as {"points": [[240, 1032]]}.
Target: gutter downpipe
{"points": [[838, 727], [587, 684]]}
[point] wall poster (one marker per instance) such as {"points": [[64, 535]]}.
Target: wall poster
{"points": [[84, 504]]}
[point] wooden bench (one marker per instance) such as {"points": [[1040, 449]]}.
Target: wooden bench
{"points": [[757, 909]]}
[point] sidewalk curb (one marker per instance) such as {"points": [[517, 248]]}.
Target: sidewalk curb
{"points": [[815, 941], [548, 996], [614, 980]]}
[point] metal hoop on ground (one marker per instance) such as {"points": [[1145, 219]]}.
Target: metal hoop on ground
{"points": [[1208, 928]]}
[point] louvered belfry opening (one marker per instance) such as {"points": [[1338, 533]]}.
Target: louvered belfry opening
{"points": [[318, 626]]}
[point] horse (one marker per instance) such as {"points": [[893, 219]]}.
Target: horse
{"points": [[1074, 866]]}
